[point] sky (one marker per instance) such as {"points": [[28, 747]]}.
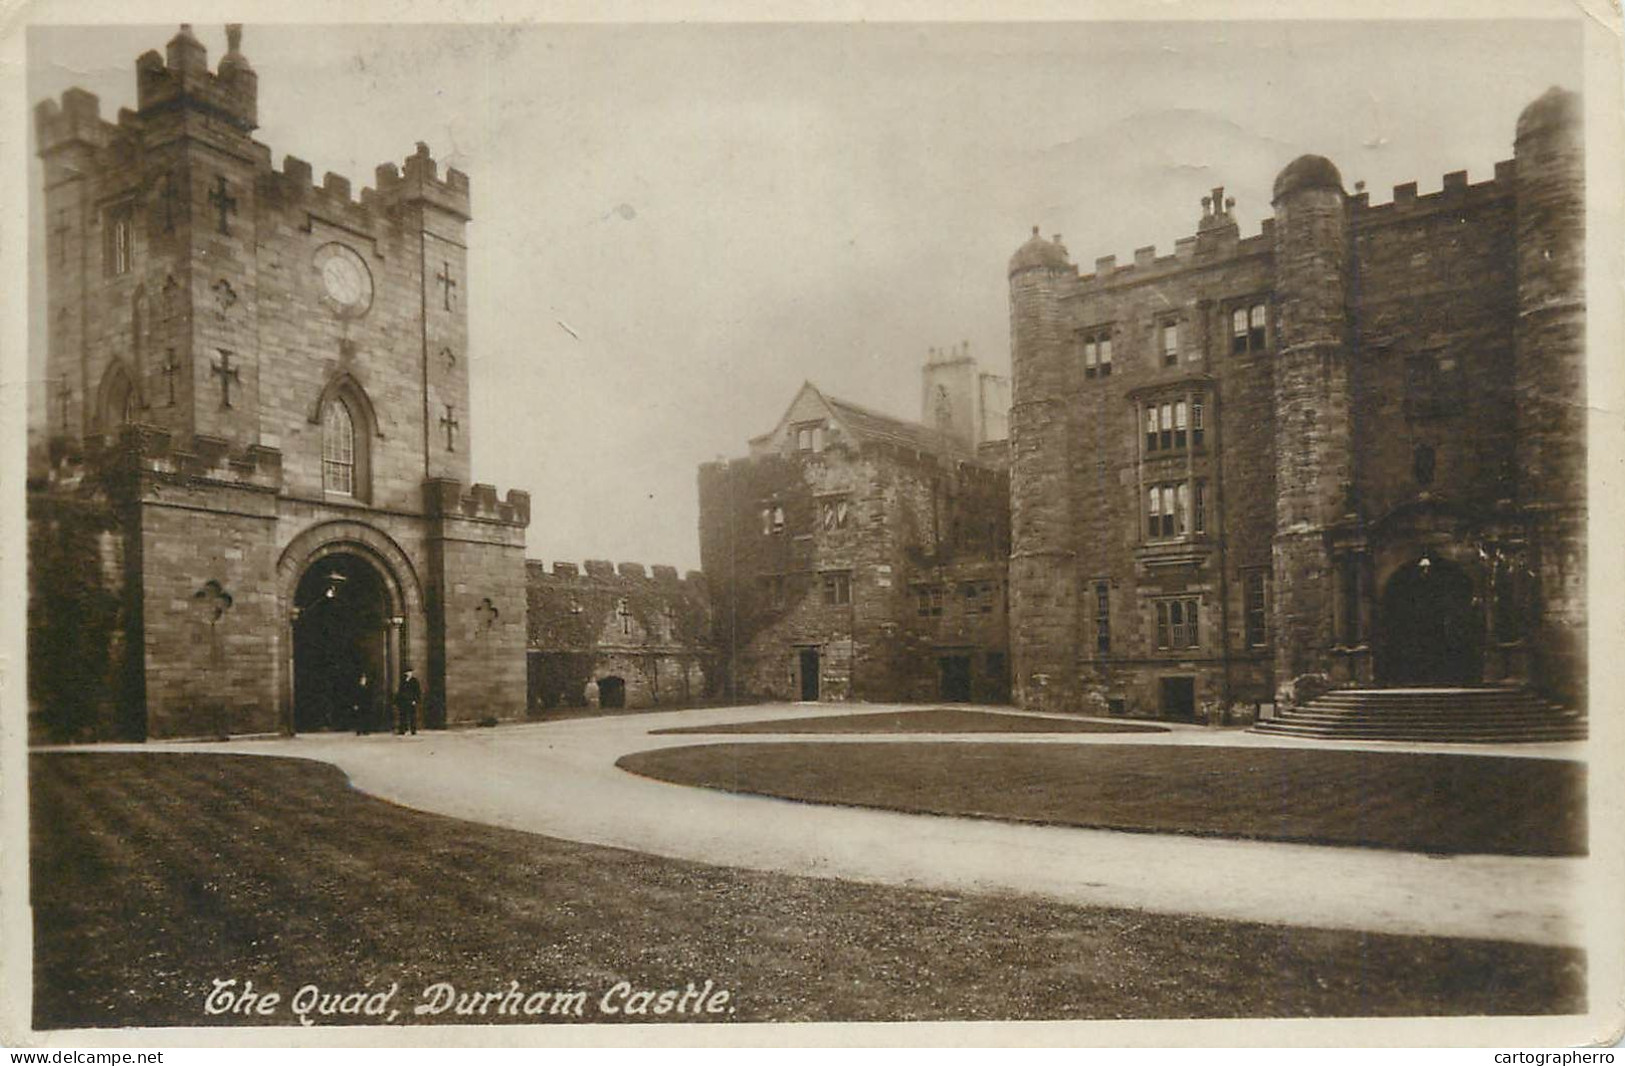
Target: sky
{"points": [[675, 225]]}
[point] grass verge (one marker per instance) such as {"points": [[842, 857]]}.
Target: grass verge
{"points": [[934, 720], [1452, 804], [153, 874]]}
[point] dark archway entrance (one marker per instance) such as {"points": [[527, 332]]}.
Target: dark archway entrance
{"points": [[342, 673], [1430, 630], [611, 692], [955, 678], [809, 674]]}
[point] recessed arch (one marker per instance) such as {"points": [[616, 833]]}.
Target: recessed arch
{"points": [[347, 385], [348, 425], [352, 547], [116, 398]]}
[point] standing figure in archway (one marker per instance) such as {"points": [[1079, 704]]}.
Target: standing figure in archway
{"points": [[361, 705], [406, 703]]}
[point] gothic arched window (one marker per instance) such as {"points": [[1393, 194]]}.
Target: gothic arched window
{"points": [[338, 449]]}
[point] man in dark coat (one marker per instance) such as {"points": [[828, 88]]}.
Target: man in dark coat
{"points": [[406, 703]]}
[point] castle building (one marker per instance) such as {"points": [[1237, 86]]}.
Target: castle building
{"points": [[854, 555], [1345, 451], [636, 638], [258, 492]]}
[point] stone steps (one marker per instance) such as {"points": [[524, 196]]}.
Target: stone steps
{"points": [[1454, 715]]}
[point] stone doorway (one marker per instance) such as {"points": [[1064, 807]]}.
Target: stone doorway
{"points": [[343, 663], [809, 674], [955, 678], [611, 692], [1179, 698], [1430, 632]]}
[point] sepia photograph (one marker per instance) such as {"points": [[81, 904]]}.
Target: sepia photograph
{"points": [[520, 519]]}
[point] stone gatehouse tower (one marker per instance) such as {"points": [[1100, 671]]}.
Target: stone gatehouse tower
{"points": [[1345, 451], [258, 484]]}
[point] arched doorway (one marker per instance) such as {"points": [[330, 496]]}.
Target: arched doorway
{"points": [[343, 672], [611, 692], [1431, 631]]}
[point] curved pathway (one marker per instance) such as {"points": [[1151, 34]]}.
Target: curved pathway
{"points": [[559, 778]]}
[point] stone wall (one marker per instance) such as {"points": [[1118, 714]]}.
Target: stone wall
{"points": [[651, 630], [913, 522], [1416, 389]]}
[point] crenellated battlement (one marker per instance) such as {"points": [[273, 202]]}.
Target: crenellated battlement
{"points": [[77, 120], [335, 195], [1455, 192], [602, 571], [156, 450], [444, 497], [182, 80], [418, 181]]}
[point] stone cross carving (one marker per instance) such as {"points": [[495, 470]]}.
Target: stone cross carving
{"points": [[213, 598], [227, 374], [170, 368], [221, 199], [449, 423], [487, 613], [447, 282], [225, 297]]}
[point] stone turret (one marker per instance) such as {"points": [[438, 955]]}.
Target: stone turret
{"points": [[1549, 379], [1043, 559], [1313, 430]]}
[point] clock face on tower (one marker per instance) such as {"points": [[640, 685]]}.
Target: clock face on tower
{"points": [[346, 282]]}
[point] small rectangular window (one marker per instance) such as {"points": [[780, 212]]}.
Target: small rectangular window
{"points": [[1166, 426], [1103, 618], [1151, 428], [1196, 424], [1257, 633], [1097, 353], [120, 247], [1249, 328], [1200, 520], [1177, 624], [1170, 344], [837, 588], [1179, 424]]}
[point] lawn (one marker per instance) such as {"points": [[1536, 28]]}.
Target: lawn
{"points": [[153, 874], [1432, 803], [935, 720]]}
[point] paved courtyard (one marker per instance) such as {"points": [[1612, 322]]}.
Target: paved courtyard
{"points": [[559, 778]]}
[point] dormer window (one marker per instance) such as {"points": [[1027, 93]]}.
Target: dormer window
{"points": [[772, 519], [810, 437]]}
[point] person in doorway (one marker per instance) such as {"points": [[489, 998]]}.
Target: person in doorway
{"points": [[361, 705], [406, 703]]}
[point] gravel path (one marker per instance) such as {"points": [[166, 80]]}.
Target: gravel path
{"points": [[559, 778]]}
